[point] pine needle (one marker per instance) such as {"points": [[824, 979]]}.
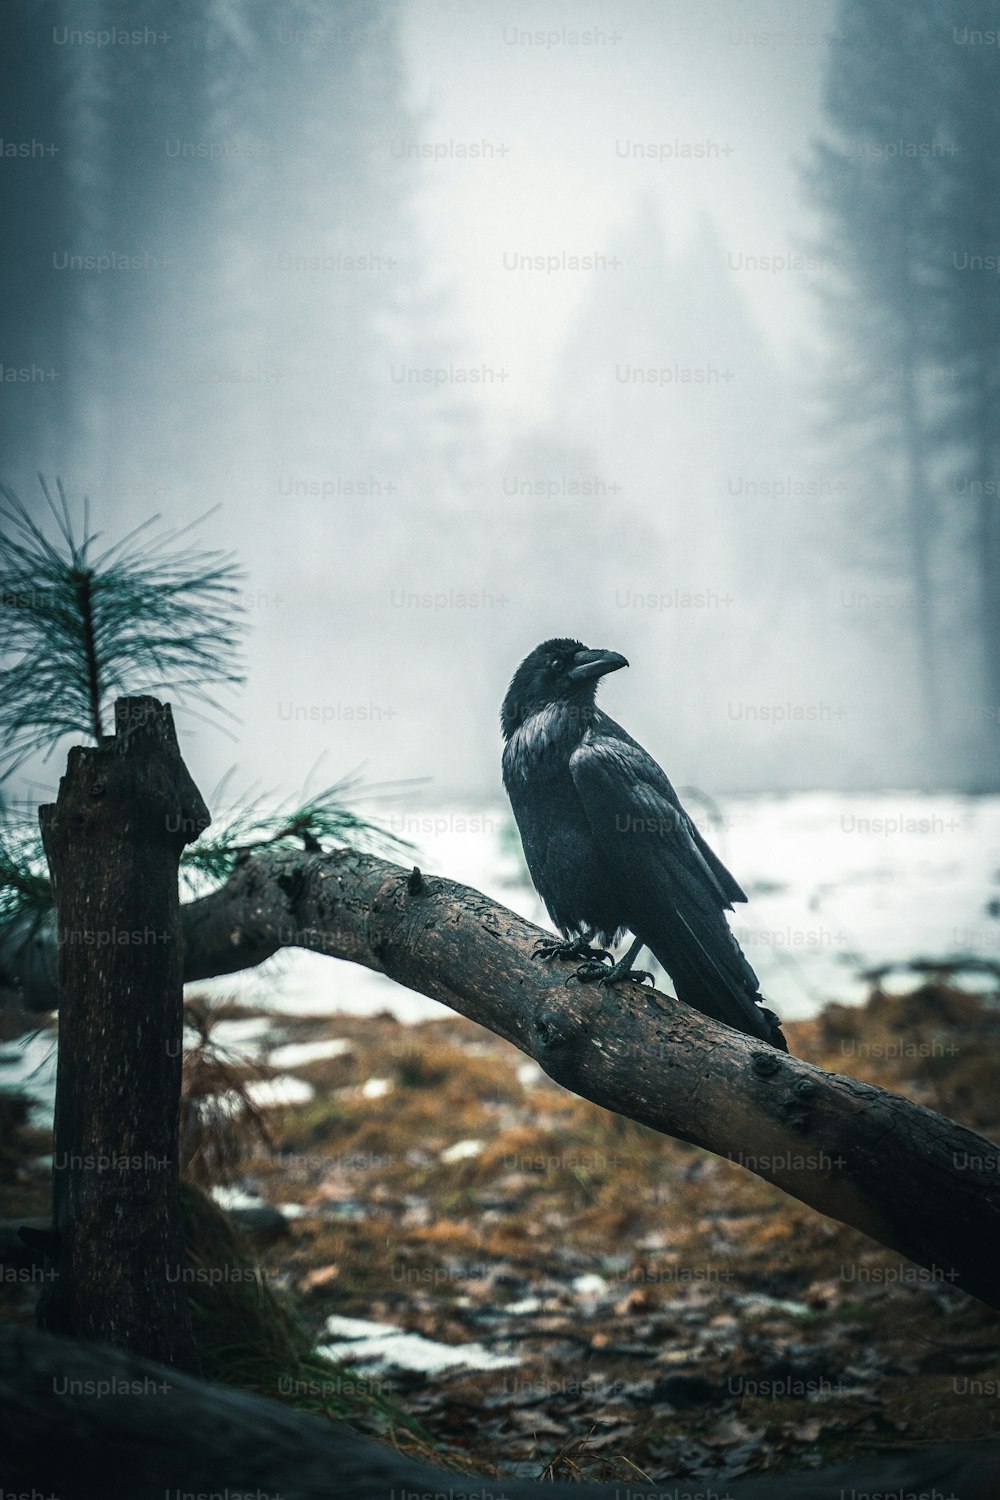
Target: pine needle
{"points": [[252, 825], [146, 615]]}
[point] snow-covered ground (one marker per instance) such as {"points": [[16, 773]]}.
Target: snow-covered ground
{"points": [[838, 884]]}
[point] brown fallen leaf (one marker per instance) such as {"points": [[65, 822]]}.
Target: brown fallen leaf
{"points": [[319, 1277]]}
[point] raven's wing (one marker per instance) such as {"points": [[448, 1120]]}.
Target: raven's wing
{"points": [[677, 891], [734, 891], [625, 792]]}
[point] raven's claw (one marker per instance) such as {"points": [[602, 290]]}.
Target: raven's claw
{"points": [[570, 948], [607, 975]]}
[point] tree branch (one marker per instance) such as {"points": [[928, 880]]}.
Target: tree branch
{"points": [[913, 1180], [910, 1178]]}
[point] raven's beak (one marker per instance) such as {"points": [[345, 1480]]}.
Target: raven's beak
{"points": [[595, 664]]}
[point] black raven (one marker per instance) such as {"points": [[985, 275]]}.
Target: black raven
{"points": [[609, 846]]}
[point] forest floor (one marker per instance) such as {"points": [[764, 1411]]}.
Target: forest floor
{"points": [[613, 1304]]}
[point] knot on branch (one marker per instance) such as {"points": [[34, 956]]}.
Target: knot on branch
{"points": [[292, 884], [795, 1117], [552, 1030]]}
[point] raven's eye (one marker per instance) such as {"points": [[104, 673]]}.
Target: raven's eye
{"points": [[555, 664]]}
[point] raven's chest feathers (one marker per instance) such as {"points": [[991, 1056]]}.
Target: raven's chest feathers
{"points": [[534, 742], [565, 862]]}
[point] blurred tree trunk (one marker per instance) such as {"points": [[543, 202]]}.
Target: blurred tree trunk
{"points": [[987, 534], [113, 840], [879, 208], [967, 337], [920, 524]]}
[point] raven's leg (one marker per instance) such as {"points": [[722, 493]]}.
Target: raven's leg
{"points": [[578, 947], [597, 973]]}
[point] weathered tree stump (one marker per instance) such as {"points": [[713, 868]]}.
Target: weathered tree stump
{"points": [[113, 839]]}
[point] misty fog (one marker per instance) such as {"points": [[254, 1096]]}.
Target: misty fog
{"points": [[673, 329], [379, 342], [485, 325]]}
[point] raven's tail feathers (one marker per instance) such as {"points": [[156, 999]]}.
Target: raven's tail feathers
{"points": [[741, 1010], [711, 974]]}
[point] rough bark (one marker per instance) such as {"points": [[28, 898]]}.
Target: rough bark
{"points": [[113, 840], [147, 1432]]}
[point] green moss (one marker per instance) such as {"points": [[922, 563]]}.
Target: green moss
{"points": [[249, 1334]]}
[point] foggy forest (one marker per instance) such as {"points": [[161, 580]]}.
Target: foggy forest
{"points": [[351, 349]]}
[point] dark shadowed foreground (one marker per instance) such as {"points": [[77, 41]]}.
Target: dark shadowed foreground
{"points": [[130, 1429]]}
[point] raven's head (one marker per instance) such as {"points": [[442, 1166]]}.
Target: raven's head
{"points": [[557, 673]]}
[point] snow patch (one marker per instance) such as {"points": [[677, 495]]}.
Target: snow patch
{"points": [[386, 1346], [297, 1054], [461, 1151]]}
